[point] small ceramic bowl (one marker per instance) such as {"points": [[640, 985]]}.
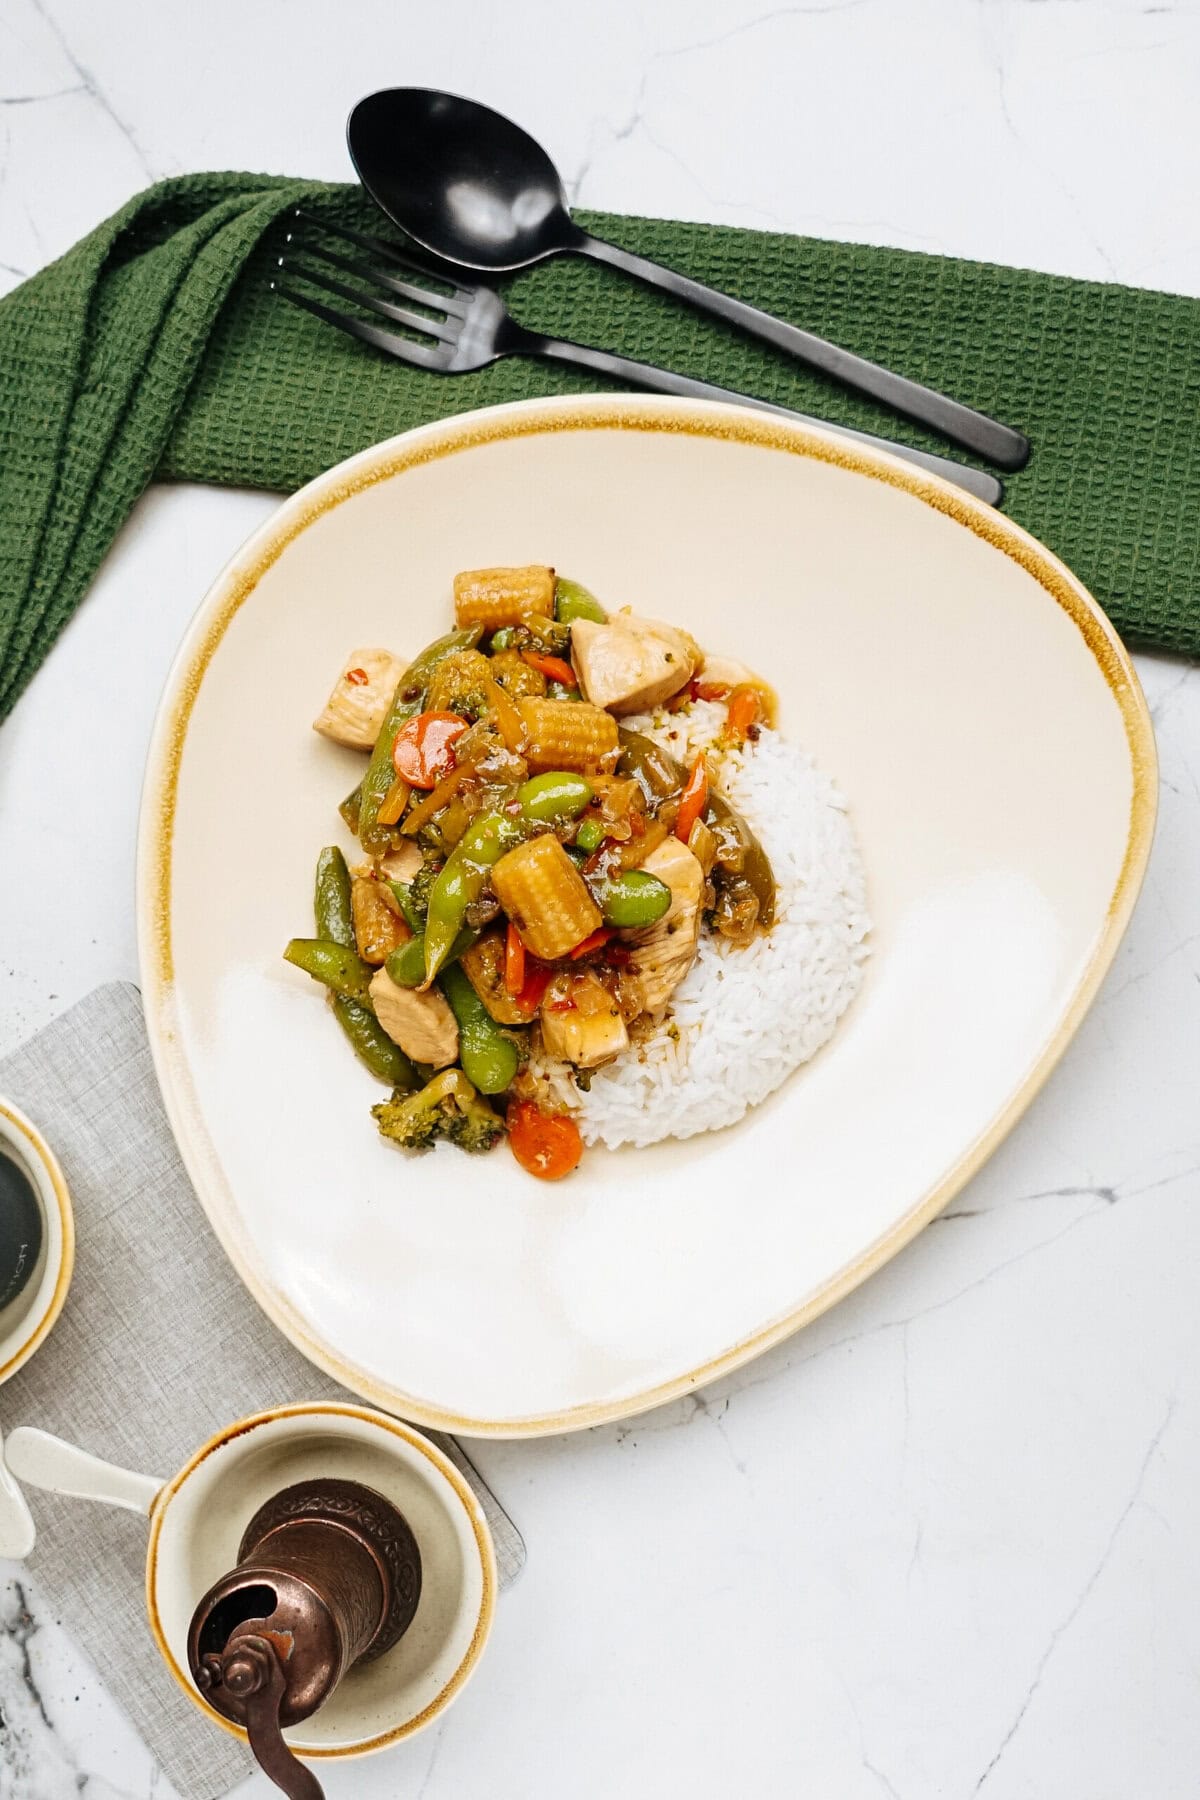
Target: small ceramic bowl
{"points": [[28, 1318], [198, 1516]]}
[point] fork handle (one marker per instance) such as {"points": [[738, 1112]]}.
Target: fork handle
{"points": [[979, 482], [1000, 444]]}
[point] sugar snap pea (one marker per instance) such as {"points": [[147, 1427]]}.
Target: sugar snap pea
{"points": [[490, 1055], [477, 852], [407, 701], [558, 794], [373, 1046], [406, 966], [351, 809], [335, 924], [634, 898], [339, 968], [414, 917], [573, 601], [331, 898]]}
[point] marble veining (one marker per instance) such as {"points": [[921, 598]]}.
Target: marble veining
{"points": [[942, 1543]]}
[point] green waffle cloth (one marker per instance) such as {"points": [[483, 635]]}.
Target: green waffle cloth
{"points": [[154, 349]]}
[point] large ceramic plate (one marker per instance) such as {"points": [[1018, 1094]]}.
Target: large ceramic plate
{"points": [[969, 696]]}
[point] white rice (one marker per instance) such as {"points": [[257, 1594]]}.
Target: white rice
{"points": [[743, 1018]]}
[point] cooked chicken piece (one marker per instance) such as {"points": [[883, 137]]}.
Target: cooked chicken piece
{"points": [[421, 1023], [402, 863], [662, 954], [631, 664], [361, 696], [588, 1031]]}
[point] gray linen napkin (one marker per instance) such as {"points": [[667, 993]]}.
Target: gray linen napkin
{"points": [[158, 1347]]}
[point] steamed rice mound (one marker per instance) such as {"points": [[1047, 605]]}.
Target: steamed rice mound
{"points": [[743, 1018]]}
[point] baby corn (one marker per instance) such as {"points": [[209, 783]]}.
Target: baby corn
{"points": [[545, 896], [497, 597], [567, 734]]}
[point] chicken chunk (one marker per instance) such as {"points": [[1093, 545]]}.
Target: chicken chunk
{"points": [[631, 664], [662, 954], [590, 1030], [402, 863], [421, 1023], [361, 695]]}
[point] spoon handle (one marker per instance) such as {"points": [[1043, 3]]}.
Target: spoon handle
{"points": [[45, 1461], [979, 482], [1000, 444], [17, 1533]]}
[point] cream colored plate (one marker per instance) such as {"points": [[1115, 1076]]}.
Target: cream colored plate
{"points": [[955, 678]]}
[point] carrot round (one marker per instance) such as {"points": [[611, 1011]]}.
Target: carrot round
{"points": [[547, 1145], [424, 747]]}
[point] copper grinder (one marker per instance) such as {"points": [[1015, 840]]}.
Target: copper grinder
{"points": [[328, 1575]]}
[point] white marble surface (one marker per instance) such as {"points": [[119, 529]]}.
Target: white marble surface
{"points": [[944, 1542]]}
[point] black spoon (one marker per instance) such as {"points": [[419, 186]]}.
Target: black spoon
{"points": [[476, 190]]}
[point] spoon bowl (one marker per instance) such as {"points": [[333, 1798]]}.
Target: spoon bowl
{"points": [[461, 180]]}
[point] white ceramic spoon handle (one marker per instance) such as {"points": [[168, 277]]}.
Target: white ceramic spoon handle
{"points": [[49, 1462], [17, 1534]]}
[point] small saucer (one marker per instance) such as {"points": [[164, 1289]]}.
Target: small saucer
{"points": [[196, 1525], [29, 1318]]}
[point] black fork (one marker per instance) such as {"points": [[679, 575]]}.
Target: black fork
{"points": [[460, 328]]}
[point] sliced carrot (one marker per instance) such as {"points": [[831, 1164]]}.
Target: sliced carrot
{"points": [[693, 800], [514, 962], [745, 710], [505, 716], [552, 667], [435, 799], [391, 807], [424, 748], [547, 1145], [596, 941]]}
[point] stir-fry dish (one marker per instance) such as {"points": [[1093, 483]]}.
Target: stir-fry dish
{"points": [[534, 878]]}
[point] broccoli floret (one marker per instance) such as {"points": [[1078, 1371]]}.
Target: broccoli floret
{"points": [[546, 635], [447, 1107]]}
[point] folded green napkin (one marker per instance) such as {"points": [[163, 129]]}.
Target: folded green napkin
{"points": [[154, 348]]}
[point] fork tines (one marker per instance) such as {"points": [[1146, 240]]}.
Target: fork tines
{"points": [[312, 262]]}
